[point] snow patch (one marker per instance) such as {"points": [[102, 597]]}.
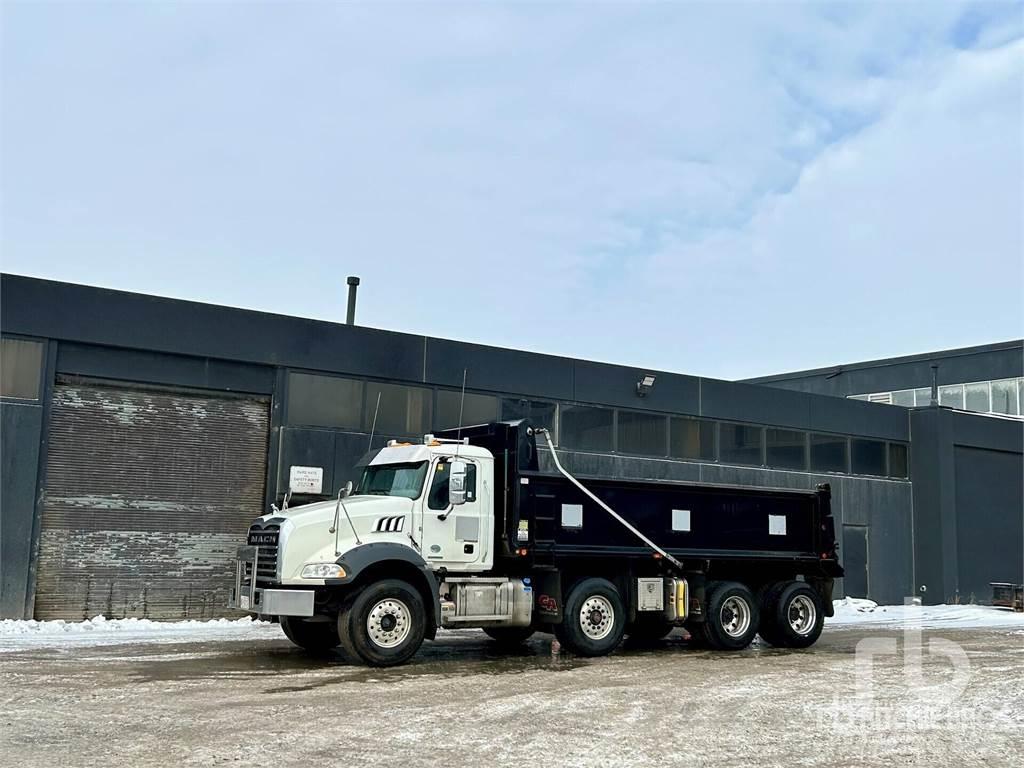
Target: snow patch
{"points": [[103, 624], [852, 611], [20, 634]]}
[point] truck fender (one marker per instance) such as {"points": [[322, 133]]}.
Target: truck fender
{"points": [[359, 558]]}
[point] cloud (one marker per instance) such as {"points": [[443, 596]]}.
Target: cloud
{"points": [[677, 186]]}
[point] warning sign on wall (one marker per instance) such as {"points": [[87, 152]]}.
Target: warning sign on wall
{"points": [[306, 479]]}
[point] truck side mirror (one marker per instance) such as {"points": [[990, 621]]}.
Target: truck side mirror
{"points": [[457, 483], [347, 490]]}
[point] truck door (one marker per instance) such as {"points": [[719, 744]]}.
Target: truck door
{"points": [[457, 536]]}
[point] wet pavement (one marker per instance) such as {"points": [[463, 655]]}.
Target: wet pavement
{"points": [[462, 702]]}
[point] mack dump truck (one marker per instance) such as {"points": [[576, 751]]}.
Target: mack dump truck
{"points": [[464, 530]]}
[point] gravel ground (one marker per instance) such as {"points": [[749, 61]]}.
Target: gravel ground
{"points": [[462, 703]]}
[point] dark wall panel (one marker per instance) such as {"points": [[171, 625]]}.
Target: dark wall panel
{"points": [[304, 447], [134, 321], [856, 417], [20, 433], [990, 361], [989, 520], [761, 405], [885, 508], [616, 385], [498, 370], [156, 368]]}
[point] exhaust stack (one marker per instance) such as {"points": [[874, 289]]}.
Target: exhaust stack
{"points": [[353, 285]]}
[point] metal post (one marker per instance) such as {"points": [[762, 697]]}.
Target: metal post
{"points": [[353, 284], [935, 384]]}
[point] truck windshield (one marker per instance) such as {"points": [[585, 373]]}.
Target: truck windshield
{"points": [[404, 480]]}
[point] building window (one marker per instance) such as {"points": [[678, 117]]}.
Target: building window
{"points": [[976, 397], [828, 453], [904, 397], [324, 401], [740, 444], [587, 428], [922, 396], [478, 409], [1004, 397], [897, 460], [867, 457], [786, 449], [403, 410], [643, 433], [952, 396], [692, 439], [21, 368], [539, 413]]}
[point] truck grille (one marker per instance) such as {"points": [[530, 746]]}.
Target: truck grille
{"points": [[265, 539]]}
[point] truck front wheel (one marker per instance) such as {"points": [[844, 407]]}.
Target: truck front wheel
{"points": [[314, 636], [594, 619], [733, 616], [384, 625]]}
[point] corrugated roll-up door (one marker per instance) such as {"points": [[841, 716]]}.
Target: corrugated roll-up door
{"points": [[148, 495]]}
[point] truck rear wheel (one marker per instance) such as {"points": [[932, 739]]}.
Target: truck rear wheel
{"points": [[314, 636], [793, 615], [509, 636], [594, 619], [733, 616], [384, 625]]}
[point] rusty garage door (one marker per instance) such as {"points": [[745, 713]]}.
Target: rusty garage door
{"points": [[148, 494]]}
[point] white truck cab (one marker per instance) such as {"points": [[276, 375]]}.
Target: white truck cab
{"points": [[403, 497], [426, 508]]}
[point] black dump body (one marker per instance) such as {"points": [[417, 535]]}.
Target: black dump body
{"points": [[544, 518]]}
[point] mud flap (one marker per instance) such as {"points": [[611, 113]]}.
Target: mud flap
{"points": [[547, 593], [824, 588]]}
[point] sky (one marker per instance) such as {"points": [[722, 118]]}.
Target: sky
{"points": [[723, 189]]}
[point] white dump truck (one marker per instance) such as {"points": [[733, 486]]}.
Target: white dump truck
{"points": [[464, 530]]}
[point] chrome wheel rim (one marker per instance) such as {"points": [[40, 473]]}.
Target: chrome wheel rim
{"points": [[597, 617], [734, 616], [802, 615], [388, 623]]}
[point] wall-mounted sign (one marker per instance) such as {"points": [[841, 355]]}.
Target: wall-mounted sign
{"points": [[306, 479]]}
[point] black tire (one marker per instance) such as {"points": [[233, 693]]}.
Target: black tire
{"points": [[733, 616], [509, 637], [793, 615], [601, 630], [313, 636], [399, 624], [650, 630]]}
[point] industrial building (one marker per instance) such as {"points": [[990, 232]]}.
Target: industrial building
{"points": [[140, 435]]}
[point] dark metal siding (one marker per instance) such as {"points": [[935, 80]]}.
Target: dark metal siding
{"points": [[20, 428], [148, 494]]}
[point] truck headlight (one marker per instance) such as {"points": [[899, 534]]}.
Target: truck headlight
{"points": [[322, 571]]}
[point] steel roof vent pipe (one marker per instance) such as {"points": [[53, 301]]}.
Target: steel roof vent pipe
{"points": [[353, 285]]}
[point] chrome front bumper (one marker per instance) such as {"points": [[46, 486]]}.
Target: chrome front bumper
{"points": [[246, 596]]}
